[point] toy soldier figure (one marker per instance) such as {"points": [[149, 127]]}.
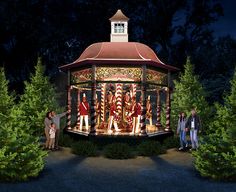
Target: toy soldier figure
{"points": [[149, 110], [84, 112], [127, 106], [135, 114], [109, 99], [114, 115], [98, 110]]}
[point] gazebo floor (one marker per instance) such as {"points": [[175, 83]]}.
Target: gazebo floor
{"points": [[151, 131]]}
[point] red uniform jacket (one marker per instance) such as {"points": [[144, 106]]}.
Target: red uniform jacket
{"points": [[136, 110], [139, 109], [113, 110], [84, 108]]}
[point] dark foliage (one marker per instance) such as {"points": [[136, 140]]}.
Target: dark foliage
{"points": [[150, 148], [84, 148], [118, 151], [171, 142]]}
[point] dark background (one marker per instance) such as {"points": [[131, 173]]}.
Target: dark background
{"points": [[59, 30]]}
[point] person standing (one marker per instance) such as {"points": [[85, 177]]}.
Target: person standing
{"points": [[56, 119], [52, 134], [194, 125], [181, 130], [47, 124], [84, 112]]}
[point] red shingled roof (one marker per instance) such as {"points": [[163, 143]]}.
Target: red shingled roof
{"points": [[115, 53]]}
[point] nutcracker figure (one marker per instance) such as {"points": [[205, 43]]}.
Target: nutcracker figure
{"points": [[135, 114], [126, 105], [114, 116], [84, 112]]}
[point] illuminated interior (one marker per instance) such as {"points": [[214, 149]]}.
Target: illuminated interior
{"points": [[120, 100]]}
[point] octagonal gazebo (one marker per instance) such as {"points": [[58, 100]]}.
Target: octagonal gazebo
{"points": [[116, 78]]}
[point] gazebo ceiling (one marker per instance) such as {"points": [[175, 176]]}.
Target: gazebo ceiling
{"points": [[115, 53]]}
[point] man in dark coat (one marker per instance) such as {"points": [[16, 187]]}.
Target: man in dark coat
{"points": [[194, 125]]}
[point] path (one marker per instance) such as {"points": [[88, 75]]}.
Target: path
{"points": [[171, 172]]}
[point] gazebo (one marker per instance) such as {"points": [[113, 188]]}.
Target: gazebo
{"points": [[121, 84]]}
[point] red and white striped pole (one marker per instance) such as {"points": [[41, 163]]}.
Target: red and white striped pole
{"points": [[167, 109], [68, 115], [78, 112], [93, 102], [134, 90], [119, 97], [143, 104], [93, 111], [158, 124], [103, 99]]}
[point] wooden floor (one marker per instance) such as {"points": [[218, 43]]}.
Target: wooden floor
{"points": [[151, 131]]}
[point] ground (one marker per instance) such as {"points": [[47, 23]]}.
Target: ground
{"points": [[173, 171]]}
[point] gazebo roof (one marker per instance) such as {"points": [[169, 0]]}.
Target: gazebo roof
{"points": [[119, 16], [115, 53]]}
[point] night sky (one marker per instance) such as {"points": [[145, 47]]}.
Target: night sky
{"points": [[226, 24], [59, 31]]}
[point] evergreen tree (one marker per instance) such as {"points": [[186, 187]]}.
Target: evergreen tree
{"points": [[20, 154], [189, 93], [39, 97], [6, 100], [216, 156]]}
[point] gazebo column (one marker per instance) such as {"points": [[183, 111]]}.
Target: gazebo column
{"points": [[103, 99], [168, 110], [158, 124], [68, 114], [134, 90], [119, 97], [143, 94], [78, 112], [93, 101]]}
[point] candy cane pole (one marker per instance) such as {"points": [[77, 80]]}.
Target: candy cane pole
{"points": [[103, 99], [119, 97]]}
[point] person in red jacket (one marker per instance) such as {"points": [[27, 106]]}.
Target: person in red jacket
{"points": [[84, 112], [135, 114], [113, 116]]}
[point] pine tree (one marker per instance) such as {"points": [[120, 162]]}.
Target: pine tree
{"points": [[231, 108], [21, 156], [189, 93], [216, 156], [6, 101], [39, 97]]}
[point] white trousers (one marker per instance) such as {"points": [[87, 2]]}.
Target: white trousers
{"points": [[85, 118], [111, 121], [136, 123]]}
